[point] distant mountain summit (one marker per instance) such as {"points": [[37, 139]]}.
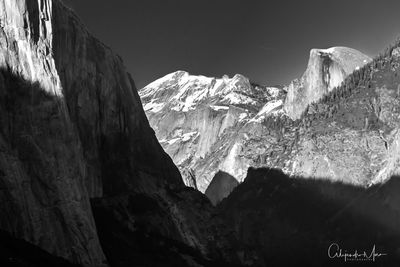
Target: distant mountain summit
{"points": [[180, 91], [327, 69]]}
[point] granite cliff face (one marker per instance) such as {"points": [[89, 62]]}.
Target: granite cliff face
{"points": [[327, 69], [42, 163], [74, 139]]}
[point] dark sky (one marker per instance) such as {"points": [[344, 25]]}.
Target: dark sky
{"points": [[267, 41]]}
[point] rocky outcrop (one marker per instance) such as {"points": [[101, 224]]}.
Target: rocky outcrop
{"points": [[220, 187], [73, 130], [327, 69]]}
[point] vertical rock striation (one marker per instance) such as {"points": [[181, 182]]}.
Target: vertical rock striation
{"points": [[74, 137], [192, 114], [44, 199]]}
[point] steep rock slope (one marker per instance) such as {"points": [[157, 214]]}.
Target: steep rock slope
{"points": [[191, 113], [73, 129], [326, 69], [43, 193]]}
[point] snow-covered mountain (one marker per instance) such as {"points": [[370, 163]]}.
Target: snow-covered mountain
{"points": [[191, 113], [180, 91]]}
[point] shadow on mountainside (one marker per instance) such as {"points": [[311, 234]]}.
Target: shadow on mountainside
{"points": [[34, 142], [138, 229], [158, 224], [220, 187], [284, 221]]}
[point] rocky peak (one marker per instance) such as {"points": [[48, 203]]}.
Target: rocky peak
{"points": [[181, 91], [326, 69], [396, 52]]}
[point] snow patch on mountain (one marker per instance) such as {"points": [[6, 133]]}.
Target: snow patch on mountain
{"points": [[180, 91], [274, 91], [188, 136], [236, 98], [267, 110], [181, 137], [152, 106], [218, 108], [242, 116]]}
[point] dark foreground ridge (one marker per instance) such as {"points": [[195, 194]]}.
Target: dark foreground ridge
{"points": [[282, 221], [19, 253]]}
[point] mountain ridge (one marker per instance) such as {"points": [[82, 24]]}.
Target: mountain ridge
{"points": [[327, 68]]}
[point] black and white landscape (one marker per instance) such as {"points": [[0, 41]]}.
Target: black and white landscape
{"points": [[198, 169]]}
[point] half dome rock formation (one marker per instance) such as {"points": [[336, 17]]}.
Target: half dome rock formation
{"points": [[77, 151], [327, 69], [350, 135], [190, 114]]}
